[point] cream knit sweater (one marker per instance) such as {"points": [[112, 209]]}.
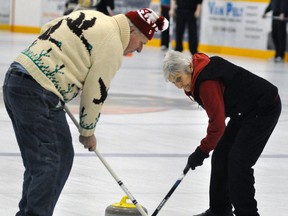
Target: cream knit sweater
{"points": [[79, 52]]}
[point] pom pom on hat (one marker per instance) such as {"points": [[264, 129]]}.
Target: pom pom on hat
{"points": [[148, 22]]}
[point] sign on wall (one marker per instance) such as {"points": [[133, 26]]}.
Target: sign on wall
{"points": [[234, 23], [5, 12], [122, 6]]}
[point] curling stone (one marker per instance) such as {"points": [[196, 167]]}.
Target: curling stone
{"points": [[123, 208]]}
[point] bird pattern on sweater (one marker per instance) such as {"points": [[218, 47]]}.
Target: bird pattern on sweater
{"points": [[79, 54]]}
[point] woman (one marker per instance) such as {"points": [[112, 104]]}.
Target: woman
{"points": [[253, 106]]}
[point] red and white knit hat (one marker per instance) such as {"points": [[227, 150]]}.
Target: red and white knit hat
{"points": [[147, 21]]}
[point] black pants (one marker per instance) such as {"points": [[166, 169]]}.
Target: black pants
{"points": [[165, 36], [232, 179], [279, 35], [186, 18]]}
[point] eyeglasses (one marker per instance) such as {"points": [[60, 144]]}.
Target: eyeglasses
{"points": [[178, 79]]}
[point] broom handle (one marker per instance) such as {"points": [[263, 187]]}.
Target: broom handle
{"points": [[102, 159]]}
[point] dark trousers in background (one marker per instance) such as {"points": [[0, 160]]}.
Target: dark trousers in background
{"points": [[279, 35], [186, 19], [232, 178], [165, 35], [44, 140]]}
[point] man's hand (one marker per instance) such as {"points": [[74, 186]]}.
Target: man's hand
{"points": [[88, 142], [172, 8]]}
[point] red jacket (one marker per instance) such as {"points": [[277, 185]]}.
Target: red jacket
{"points": [[211, 94]]}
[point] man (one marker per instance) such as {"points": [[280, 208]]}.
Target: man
{"points": [[186, 14], [279, 10], [106, 6], [253, 106], [78, 52], [165, 35]]}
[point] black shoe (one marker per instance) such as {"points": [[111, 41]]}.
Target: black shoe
{"points": [[210, 213]]}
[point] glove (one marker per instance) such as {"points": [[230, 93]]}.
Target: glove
{"points": [[197, 158]]}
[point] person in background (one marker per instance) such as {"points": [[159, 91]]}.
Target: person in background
{"points": [[253, 107], [106, 6], [165, 35], [70, 6], [186, 14], [279, 10], [77, 53]]}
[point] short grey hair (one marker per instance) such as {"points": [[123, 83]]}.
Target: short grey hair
{"points": [[175, 62]]}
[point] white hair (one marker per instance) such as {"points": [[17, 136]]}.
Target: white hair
{"points": [[174, 63]]}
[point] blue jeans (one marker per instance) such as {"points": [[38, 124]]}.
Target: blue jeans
{"points": [[44, 139]]}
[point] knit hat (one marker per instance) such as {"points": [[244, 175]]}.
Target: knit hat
{"points": [[147, 21]]}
